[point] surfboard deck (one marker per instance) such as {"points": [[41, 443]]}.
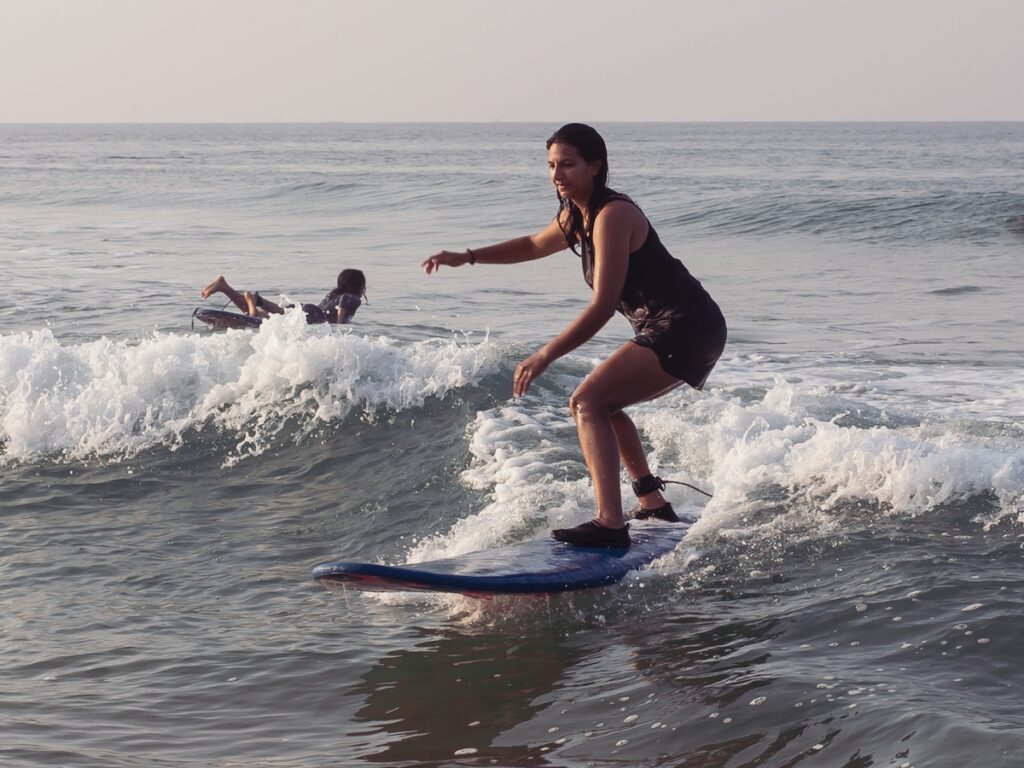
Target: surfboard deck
{"points": [[533, 567], [220, 319]]}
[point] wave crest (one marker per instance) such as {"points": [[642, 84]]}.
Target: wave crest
{"points": [[113, 399]]}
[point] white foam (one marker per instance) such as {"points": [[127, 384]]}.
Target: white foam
{"points": [[794, 438], [115, 398], [795, 441], [522, 452]]}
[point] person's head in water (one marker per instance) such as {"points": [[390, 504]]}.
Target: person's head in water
{"points": [[578, 160], [352, 281]]}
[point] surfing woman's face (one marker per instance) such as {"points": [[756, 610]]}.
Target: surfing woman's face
{"points": [[572, 176]]}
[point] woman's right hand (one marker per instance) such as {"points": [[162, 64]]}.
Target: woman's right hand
{"points": [[444, 258]]}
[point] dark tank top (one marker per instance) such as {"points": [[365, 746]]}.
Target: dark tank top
{"points": [[658, 290]]}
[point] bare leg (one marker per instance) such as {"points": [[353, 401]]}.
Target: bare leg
{"points": [[631, 452], [256, 305], [631, 375], [220, 285], [268, 306]]}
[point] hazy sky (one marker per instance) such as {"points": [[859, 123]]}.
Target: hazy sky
{"points": [[483, 60]]}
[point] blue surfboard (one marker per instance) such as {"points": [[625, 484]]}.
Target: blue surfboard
{"points": [[533, 567], [218, 318]]}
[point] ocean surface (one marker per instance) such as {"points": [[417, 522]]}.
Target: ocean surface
{"points": [[851, 596]]}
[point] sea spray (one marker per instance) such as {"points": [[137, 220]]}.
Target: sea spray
{"points": [[111, 399]]}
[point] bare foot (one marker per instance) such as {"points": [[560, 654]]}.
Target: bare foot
{"points": [[250, 304], [217, 285]]}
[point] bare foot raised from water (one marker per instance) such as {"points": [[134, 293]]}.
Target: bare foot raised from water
{"points": [[217, 285], [250, 304]]}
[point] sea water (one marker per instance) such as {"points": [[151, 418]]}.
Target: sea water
{"points": [[850, 596]]}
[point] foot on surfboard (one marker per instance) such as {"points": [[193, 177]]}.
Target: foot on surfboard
{"points": [[665, 513], [593, 534]]}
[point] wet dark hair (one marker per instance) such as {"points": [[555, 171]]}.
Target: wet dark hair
{"points": [[591, 147], [351, 281]]}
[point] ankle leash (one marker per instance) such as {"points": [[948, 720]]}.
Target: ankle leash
{"points": [[650, 483]]}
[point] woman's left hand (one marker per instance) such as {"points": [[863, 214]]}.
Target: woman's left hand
{"points": [[445, 258], [528, 370]]}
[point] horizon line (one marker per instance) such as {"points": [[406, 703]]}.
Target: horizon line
{"points": [[508, 122]]}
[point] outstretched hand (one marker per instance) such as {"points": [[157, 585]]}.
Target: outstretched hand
{"points": [[444, 258], [527, 371]]}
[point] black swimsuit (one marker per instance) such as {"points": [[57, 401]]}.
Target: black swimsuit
{"points": [[668, 308], [327, 310]]}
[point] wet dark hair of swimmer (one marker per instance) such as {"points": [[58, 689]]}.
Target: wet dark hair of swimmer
{"points": [[352, 281]]}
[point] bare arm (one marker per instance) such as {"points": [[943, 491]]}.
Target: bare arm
{"points": [[613, 232], [544, 243], [347, 307]]}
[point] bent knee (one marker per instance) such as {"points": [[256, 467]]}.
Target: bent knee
{"points": [[584, 403]]}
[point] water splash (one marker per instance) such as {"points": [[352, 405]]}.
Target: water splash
{"points": [[112, 399]]}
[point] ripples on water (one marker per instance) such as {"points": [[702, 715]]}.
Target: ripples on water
{"points": [[850, 597]]}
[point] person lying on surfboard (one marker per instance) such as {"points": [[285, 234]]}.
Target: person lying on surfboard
{"points": [[338, 306], [680, 330]]}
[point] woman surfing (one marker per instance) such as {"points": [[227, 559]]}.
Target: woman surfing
{"points": [[679, 329]]}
